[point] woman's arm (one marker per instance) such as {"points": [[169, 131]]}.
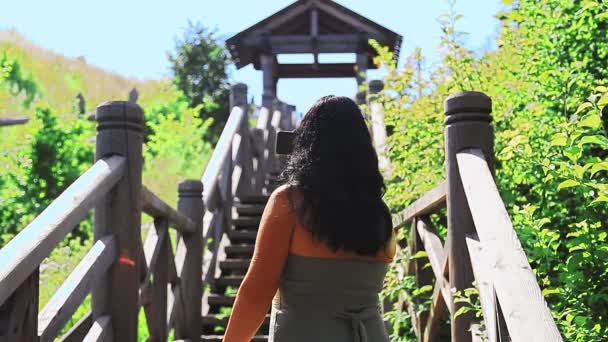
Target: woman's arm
{"points": [[262, 279]]}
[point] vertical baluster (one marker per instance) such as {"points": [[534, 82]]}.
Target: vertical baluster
{"points": [[467, 125], [119, 132], [19, 313], [157, 325], [191, 204]]}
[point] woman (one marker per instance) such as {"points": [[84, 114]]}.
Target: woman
{"points": [[325, 238]]}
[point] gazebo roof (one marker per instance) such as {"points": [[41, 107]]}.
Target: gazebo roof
{"points": [[311, 26]]}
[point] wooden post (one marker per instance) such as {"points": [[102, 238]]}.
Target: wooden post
{"points": [[119, 132], [378, 126], [133, 95], [292, 117], [19, 313], [244, 158], [190, 203], [267, 62], [79, 104], [361, 63], [467, 125]]}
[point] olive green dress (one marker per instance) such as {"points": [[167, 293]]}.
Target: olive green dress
{"points": [[329, 300]]}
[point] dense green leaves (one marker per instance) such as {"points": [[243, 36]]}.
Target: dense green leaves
{"points": [[547, 81], [199, 66]]}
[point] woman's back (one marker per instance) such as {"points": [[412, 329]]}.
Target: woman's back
{"points": [[328, 299]]}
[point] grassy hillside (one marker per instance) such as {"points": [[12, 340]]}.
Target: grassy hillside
{"points": [[60, 78]]}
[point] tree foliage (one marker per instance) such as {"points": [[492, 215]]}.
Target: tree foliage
{"points": [[547, 82], [199, 66], [14, 79]]}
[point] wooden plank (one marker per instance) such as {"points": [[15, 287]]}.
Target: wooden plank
{"points": [[153, 247], [432, 246], [156, 308], [22, 255], [527, 315], [79, 330], [75, 288], [222, 151], [437, 311], [13, 121], [156, 207], [484, 285], [19, 314], [428, 203], [424, 275], [101, 331], [323, 70]]}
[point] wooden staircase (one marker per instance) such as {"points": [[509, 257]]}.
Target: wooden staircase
{"points": [[237, 253]]}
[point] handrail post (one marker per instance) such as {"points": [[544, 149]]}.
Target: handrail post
{"points": [[467, 125], [119, 132], [378, 126], [19, 313], [190, 203], [238, 98]]}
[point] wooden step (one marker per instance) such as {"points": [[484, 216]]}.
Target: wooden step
{"points": [[251, 222], [235, 265], [254, 199], [220, 300], [229, 280], [244, 250], [220, 338], [242, 235], [250, 209], [213, 321]]}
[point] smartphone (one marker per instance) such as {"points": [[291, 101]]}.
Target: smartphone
{"points": [[284, 142]]}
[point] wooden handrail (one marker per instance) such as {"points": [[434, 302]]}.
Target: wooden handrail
{"points": [[222, 151], [13, 121], [428, 203], [156, 207], [525, 310], [24, 253]]}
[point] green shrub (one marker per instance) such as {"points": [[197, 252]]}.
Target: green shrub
{"points": [[545, 81]]}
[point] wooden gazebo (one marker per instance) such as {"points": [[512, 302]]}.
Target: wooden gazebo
{"points": [[310, 26]]}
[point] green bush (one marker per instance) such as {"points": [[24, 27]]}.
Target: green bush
{"points": [[546, 82], [57, 152]]}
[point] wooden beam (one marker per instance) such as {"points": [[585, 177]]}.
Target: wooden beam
{"points": [[324, 43], [24, 253], [223, 150], [157, 208], [525, 310], [428, 203], [318, 71], [79, 330], [13, 121], [101, 330], [314, 22], [72, 292], [484, 285]]}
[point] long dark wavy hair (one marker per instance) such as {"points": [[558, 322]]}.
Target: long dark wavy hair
{"points": [[335, 167]]}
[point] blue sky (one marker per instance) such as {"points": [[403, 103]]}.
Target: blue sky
{"points": [[132, 37]]}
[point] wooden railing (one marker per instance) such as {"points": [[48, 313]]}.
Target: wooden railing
{"points": [[481, 249], [122, 273]]}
